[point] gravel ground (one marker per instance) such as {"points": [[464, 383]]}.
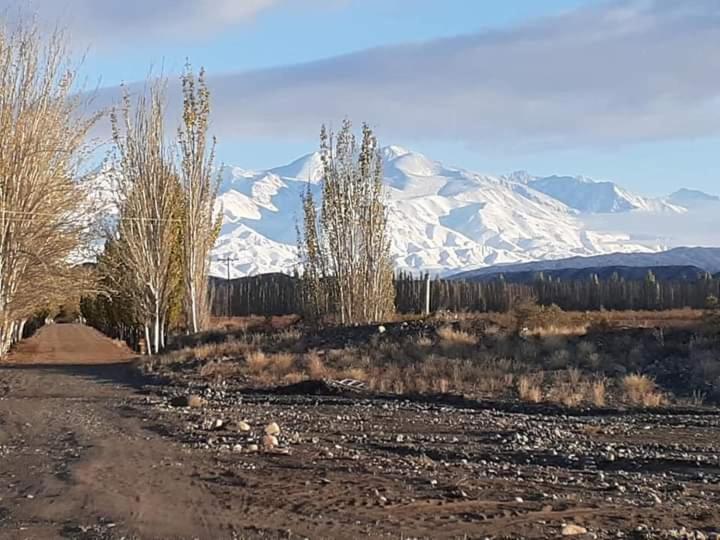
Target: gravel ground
{"points": [[95, 452]]}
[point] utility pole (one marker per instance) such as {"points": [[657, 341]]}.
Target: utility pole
{"points": [[427, 294], [227, 260]]}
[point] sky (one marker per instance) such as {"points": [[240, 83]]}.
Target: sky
{"points": [[627, 91]]}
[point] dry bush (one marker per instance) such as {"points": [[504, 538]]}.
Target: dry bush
{"points": [[257, 361], [572, 397], [560, 359], [315, 366], [423, 342], [281, 364], [294, 377], [577, 329], [356, 373], [289, 335], [220, 370], [448, 335], [270, 367], [598, 390], [456, 342], [529, 390], [574, 376], [641, 390]]}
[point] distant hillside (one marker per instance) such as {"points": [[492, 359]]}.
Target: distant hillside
{"points": [[691, 259], [628, 273]]}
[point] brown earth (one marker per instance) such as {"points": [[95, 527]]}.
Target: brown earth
{"points": [[92, 451], [69, 344]]}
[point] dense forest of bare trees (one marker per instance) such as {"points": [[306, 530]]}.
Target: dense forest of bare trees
{"points": [[279, 294]]}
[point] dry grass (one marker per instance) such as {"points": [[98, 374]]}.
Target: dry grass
{"points": [[221, 370], [449, 336], [598, 391], [478, 355], [315, 366], [529, 390], [560, 330], [256, 361], [641, 390], [455, 342]]}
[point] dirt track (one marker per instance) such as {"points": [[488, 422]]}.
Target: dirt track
{"points": [[77, 457], [88, 452], [69, 344]]}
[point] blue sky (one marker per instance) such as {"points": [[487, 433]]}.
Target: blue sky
{"points": [[621, 90]]}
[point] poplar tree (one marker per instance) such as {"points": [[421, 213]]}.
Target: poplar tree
{"points": [[149, 202], [200, 223], [345, 248]]}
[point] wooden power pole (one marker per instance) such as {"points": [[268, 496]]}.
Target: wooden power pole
{"points": [[427, 295], [227, 260]]}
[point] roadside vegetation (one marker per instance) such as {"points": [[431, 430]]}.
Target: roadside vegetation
{"points": [[43, 201], [614, 359]]}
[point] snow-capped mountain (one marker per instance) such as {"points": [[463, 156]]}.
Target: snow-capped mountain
{"points": [[705, 259], [442, 219], [589, 196], [691, 198]]}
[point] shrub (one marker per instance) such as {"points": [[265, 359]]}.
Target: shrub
{"points": [[220, 370], [597, 392], [448, 335], [641, 390], [528, 390], [315, 366]]}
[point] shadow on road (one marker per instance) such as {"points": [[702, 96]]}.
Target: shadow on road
{"points": [[124, 374]]}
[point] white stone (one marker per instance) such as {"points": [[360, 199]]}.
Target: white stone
{"points": [[272, 429], [572, 530], [270, 441]]}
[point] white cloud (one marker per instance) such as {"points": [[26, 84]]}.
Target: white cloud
{"points": [[615, 73], [104, 22], [620, 72], [694, 228]]}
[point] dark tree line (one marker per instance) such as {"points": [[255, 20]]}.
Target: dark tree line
{"points": [[280, 294]]}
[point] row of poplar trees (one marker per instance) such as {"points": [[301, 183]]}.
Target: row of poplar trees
{"points": [[155, 265], [43, 200]]}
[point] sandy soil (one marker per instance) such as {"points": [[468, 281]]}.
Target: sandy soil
{"points": [[69, 344], [92, 451]]}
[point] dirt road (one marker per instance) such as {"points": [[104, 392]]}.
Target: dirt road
{"points": [[78, 456], [92, 452], [69, 344]]}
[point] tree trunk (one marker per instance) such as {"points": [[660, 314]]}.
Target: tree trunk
{"points": [[148, 343]]}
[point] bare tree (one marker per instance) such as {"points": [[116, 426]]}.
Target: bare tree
{"points": [[200, 223], [345, 248], [42, 141], [149, 203]]}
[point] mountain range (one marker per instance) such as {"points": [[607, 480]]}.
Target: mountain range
{"points": [[442, 219], [685, 263]]}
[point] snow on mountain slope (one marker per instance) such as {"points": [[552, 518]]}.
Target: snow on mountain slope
{"points": [[690, 198], [588, 196], [441, 219]]}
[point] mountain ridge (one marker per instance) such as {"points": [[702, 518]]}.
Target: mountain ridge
{"points": [[442, 219], [706, 259]]}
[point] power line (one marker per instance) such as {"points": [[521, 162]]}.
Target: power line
{"points": [[47, 214]]}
